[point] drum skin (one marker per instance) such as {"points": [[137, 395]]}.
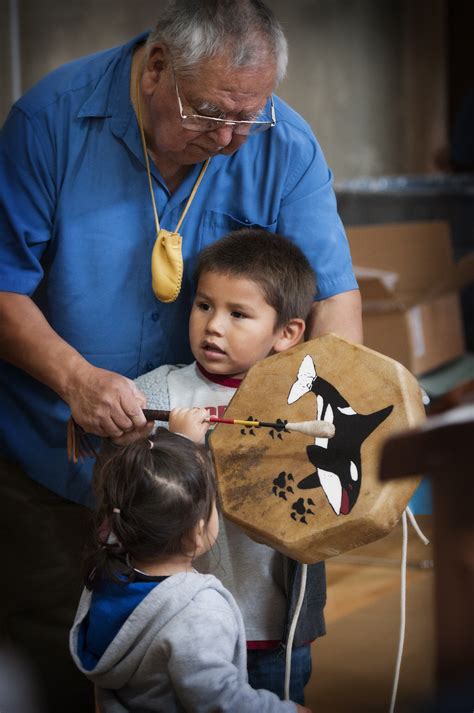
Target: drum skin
{"points": [[309, 498]]}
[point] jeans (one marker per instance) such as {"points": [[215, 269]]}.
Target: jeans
{"points": [[266, 669]]}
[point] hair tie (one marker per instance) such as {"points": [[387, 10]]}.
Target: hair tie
{"points": [[117, 510]]}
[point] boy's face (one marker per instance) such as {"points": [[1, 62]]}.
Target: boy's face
{"points": [[231, 325]]}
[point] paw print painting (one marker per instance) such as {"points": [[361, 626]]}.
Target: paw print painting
{"points": [[283, 484], [301, 508], [248, 430], [278, 433], [274, 429]]}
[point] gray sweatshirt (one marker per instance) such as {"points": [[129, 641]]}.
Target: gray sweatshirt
{"points": [[181, 649]]}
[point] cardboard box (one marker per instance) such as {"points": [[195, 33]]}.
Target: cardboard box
{"points": [[409, 285]]}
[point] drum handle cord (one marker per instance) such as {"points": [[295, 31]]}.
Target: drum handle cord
{"points": [[401, 638], [291, 633], [403, 596]]}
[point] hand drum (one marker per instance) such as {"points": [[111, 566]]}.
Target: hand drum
{"points": [[313, 498]]}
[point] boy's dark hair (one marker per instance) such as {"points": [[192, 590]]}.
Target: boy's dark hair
{"points": [[149, 502], [270, 260]]}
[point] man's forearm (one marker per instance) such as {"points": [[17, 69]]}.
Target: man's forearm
{"points": [[29, 342], [101, 401], [341, 315]]}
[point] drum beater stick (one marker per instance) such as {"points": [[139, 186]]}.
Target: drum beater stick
{"points": [[321, 429]]}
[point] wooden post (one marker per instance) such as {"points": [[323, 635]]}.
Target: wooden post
{"points": [[442, 448]]}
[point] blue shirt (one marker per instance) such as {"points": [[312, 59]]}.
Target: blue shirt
{"points": [[77, 231]]}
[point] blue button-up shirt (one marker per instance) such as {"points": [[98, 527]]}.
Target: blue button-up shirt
{"points": [[77, 231]]}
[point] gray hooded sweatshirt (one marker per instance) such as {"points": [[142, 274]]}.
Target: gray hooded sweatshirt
{"points": [[181, 649]]}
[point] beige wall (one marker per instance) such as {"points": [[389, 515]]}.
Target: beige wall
{"points": [[368, 75]]}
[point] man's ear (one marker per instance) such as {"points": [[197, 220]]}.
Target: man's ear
{"points": [[155, 64], [289, 335]]}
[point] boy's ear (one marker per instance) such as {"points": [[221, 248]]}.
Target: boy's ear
{"points": [[289, 335]]}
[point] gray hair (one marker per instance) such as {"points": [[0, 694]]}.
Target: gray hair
{"points": [[244, 30]]}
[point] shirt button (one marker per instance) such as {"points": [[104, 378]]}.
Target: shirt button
{"points": [[148, 366], [155, 316]]}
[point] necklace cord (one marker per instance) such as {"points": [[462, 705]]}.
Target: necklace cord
{"points": [[145, 150], [147, 163]]}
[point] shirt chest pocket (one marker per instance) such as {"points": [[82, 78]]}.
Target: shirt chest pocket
{"points": [[215, 225]]}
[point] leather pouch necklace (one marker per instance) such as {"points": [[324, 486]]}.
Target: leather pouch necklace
{"points": [[166, 258]]}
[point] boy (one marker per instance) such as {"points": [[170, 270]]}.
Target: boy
{"points": [[254, 292]]}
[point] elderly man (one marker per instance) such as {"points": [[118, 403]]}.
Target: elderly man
{"points": [[92, 160]]}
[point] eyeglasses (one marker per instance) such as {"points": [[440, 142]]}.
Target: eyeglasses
{"points": [[197, 122]]}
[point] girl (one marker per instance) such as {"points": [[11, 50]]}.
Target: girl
{"points": [[151, 632]]}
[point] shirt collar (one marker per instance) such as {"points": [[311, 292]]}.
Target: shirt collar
{"points": [[111, 96], [223, 380]]}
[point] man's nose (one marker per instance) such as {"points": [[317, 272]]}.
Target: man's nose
{"points": [[222, 136]]}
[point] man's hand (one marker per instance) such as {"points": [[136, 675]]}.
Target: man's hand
{"points": [[107, 404], [134, 435], [302, 709], [190, 422]]}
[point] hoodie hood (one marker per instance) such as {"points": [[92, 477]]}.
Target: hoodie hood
{"points": [[128, 648]]}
